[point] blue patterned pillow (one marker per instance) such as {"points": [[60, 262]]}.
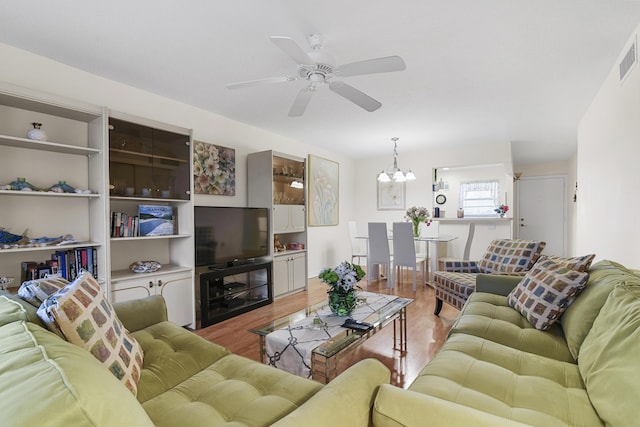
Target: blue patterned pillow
{"points": [[546, 291], [37, 290]]}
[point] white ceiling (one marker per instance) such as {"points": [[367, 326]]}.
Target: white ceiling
{"points": [[478, 71]]}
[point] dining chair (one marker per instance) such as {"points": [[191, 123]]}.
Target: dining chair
{"points": [[467, 247], [357, 249], [378, 251], [404, 251], [422, 247]]}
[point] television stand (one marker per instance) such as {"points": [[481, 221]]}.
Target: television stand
{"points": [[225, 292]]}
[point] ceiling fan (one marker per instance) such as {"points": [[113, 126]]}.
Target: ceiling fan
{"points": [[317, 68]]}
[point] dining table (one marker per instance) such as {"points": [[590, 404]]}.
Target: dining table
{"points": [[429, 240]]}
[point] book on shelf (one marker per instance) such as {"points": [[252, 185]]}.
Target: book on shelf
{"points": [[123, 225], [156, 220], [72, 261]]}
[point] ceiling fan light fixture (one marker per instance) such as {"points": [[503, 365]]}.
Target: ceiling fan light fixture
{"points": [[318, 67]]}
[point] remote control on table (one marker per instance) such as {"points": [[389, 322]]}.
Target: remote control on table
{"points": [[357, 325]]}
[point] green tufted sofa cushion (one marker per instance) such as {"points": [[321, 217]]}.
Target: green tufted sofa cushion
{"points": [[47, 381], [189, 381], [506, 382], [579, 317], [233, 391], [14, 308], [609, 357], [172, 355], [489, 316]]}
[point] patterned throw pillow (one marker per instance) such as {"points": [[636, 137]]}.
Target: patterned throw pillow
{"points": [[546, 291], [510, 256], [85, 317], [37, 290], [579, 263]]}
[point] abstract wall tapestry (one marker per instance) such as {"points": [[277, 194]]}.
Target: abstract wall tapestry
{"points": [[214, 169], [323, 194]]}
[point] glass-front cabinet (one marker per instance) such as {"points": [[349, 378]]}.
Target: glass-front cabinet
{"points": [[148, 162], [278, 181], [288, 181], [151, 213]]}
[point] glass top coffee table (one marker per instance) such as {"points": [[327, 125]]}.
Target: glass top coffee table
{"points": [[312, 341]]}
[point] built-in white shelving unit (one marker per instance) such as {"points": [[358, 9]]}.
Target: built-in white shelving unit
{"points": [[278, 181], [73, 152]]}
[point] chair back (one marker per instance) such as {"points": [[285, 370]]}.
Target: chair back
{"points": [[467, 246], [404, 248], [357, 249], [378, 251], [510, 256]]}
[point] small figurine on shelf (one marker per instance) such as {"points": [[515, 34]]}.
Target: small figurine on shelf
{"points": [[62, 187], [36, 133], [277, 245], [8, 239], [21, 184]]}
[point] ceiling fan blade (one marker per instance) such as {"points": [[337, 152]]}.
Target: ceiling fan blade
{"points": [[301, 101], [371, 66], [291, 48], [260, 81], [355, 96]]}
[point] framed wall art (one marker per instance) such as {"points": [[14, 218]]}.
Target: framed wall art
{"points": [[323, 191], [214, 169], [391, 195]]}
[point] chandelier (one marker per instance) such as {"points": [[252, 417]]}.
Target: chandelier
{"points": [[395, 173]]}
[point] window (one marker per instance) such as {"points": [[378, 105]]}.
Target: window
{"points": [[479, 198]]}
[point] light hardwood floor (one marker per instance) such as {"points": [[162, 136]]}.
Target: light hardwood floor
{"points": [[425, 332]]}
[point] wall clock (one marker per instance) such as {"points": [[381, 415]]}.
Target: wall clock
{"points": [[441, 199]]}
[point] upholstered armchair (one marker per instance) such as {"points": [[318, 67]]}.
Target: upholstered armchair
{"points": [[457, 280]]}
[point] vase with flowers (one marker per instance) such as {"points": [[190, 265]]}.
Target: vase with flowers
{"points": [[418, 214], [342, 282], [502, 210]]}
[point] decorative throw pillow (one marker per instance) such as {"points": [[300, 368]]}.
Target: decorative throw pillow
{"points": [[510, 256], [81, 311], [37, 290], [546, 291], [579, 263]]}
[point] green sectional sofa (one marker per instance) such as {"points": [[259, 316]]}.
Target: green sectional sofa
{"points": [[495, 369], [185, 380]]}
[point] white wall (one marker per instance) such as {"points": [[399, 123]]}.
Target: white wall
{"points": [[609, 171], [327, 245]]}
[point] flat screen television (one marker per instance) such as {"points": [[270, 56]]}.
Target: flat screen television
{"points": [[226, 236]]}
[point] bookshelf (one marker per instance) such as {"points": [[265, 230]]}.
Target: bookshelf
{"points": [[73, 152]]}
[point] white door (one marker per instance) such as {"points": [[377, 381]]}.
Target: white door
{"points": [[541, 212]]}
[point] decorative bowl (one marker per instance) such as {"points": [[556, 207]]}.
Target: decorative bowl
{"points": [[145, 266]]}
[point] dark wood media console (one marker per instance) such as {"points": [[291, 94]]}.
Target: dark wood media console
{"points": [[224, 292]]}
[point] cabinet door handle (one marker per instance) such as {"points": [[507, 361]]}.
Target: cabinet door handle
{"points": [[150, 284], [159, 282]]}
